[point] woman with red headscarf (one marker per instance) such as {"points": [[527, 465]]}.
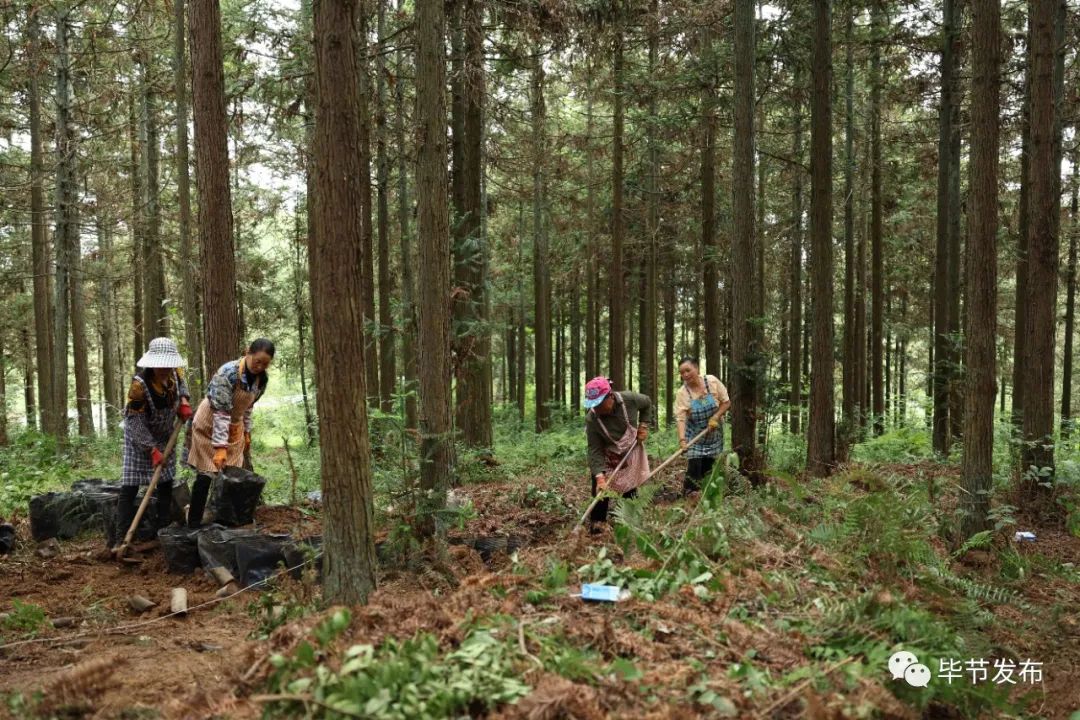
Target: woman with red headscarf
{"points": [[616, 428]]}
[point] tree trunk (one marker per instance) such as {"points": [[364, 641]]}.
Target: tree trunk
{"points": [[43, 330], [575, 344], [299, 246], [851, 406], [408, 290], [1070, 303], [371, 350], [820, 439], [743, 350], [436, 444], [155, 315], [29, 400], [956, 403], [472, 335], [670, 300], [110, 357], [1020, 346], [709, 246], [189, 269], [80, 347], [981, 305], [1040, 322], [650, 298], [337, 296], [592, 295], [877, 271], [521, 345], [221, 320], [617, 279], [3, 395], [542, 321], [67, 229], [795, 278], [942, 274], [387, 336], [138, 249]]}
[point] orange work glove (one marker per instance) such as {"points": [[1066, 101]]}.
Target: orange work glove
{"points": [[236, 431], [219, 457]]}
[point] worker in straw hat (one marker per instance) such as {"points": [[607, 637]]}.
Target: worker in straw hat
{"points": [[156, 398], [616, 427]]}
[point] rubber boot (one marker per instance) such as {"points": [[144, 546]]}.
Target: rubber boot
{"points": [[163, 495], [200, 489], [125, 511]]}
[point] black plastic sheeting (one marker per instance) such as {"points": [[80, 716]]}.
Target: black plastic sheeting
{"points": [[247, 554], [66, 515], [7, 538], [235, 495], [180, 546], [114, 535]]}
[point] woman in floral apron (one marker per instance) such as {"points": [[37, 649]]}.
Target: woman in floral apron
{"points": [[700, 403], [616, 426], [156, 398], [221, 431]]}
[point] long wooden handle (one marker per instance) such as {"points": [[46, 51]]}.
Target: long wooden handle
{"points": [[153, 485], [679, 452], [600, 494]]}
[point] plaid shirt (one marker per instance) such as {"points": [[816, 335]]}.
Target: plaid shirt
{"points": [[147, 426]]}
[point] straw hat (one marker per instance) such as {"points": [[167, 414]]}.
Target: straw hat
{"points": [[162, 354]]}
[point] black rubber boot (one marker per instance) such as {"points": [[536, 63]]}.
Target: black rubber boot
{"points": [[163, 495], [200, 489], [125, 511]]}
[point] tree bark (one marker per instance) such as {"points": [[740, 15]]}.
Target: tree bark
{"points": [[592, 294], [436, 444], [709, 247], [820, 436], [155, 315], [67, 229], [1023, 219], [387, 335], [795, 278], [850, 393], [472, 334], [617, 280], [981, 305], [877, 271], [80, 347], [541, 293], [1070, 302], [138, 249], [189, 270], [30, 403], [106, 300], [650, 299], [371, 334], [1040, 322], [408, 289], [743, 350], [43, 330], [221, 320], [337, 298]]}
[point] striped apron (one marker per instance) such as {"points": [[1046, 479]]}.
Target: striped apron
{"points": [[201, 455]]}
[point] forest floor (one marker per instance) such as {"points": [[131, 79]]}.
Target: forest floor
{"points": [[780, 602]]}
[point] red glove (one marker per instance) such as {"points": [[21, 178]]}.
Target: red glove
{"points": [[156, 458], [184, 411]]}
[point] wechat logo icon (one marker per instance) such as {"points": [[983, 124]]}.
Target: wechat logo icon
{"points": [[905, 666]]}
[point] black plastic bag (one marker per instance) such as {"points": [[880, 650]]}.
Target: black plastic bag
{"points": [[7, 538], [107, 504], [248, 555], [235, 495], [180, 545]]}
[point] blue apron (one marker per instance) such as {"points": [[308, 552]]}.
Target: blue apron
{"points": [[701, 409]]}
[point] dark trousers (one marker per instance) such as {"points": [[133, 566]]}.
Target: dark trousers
{"points": [[600, 510], [697, 469], [200, 490], [126, 506]]}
